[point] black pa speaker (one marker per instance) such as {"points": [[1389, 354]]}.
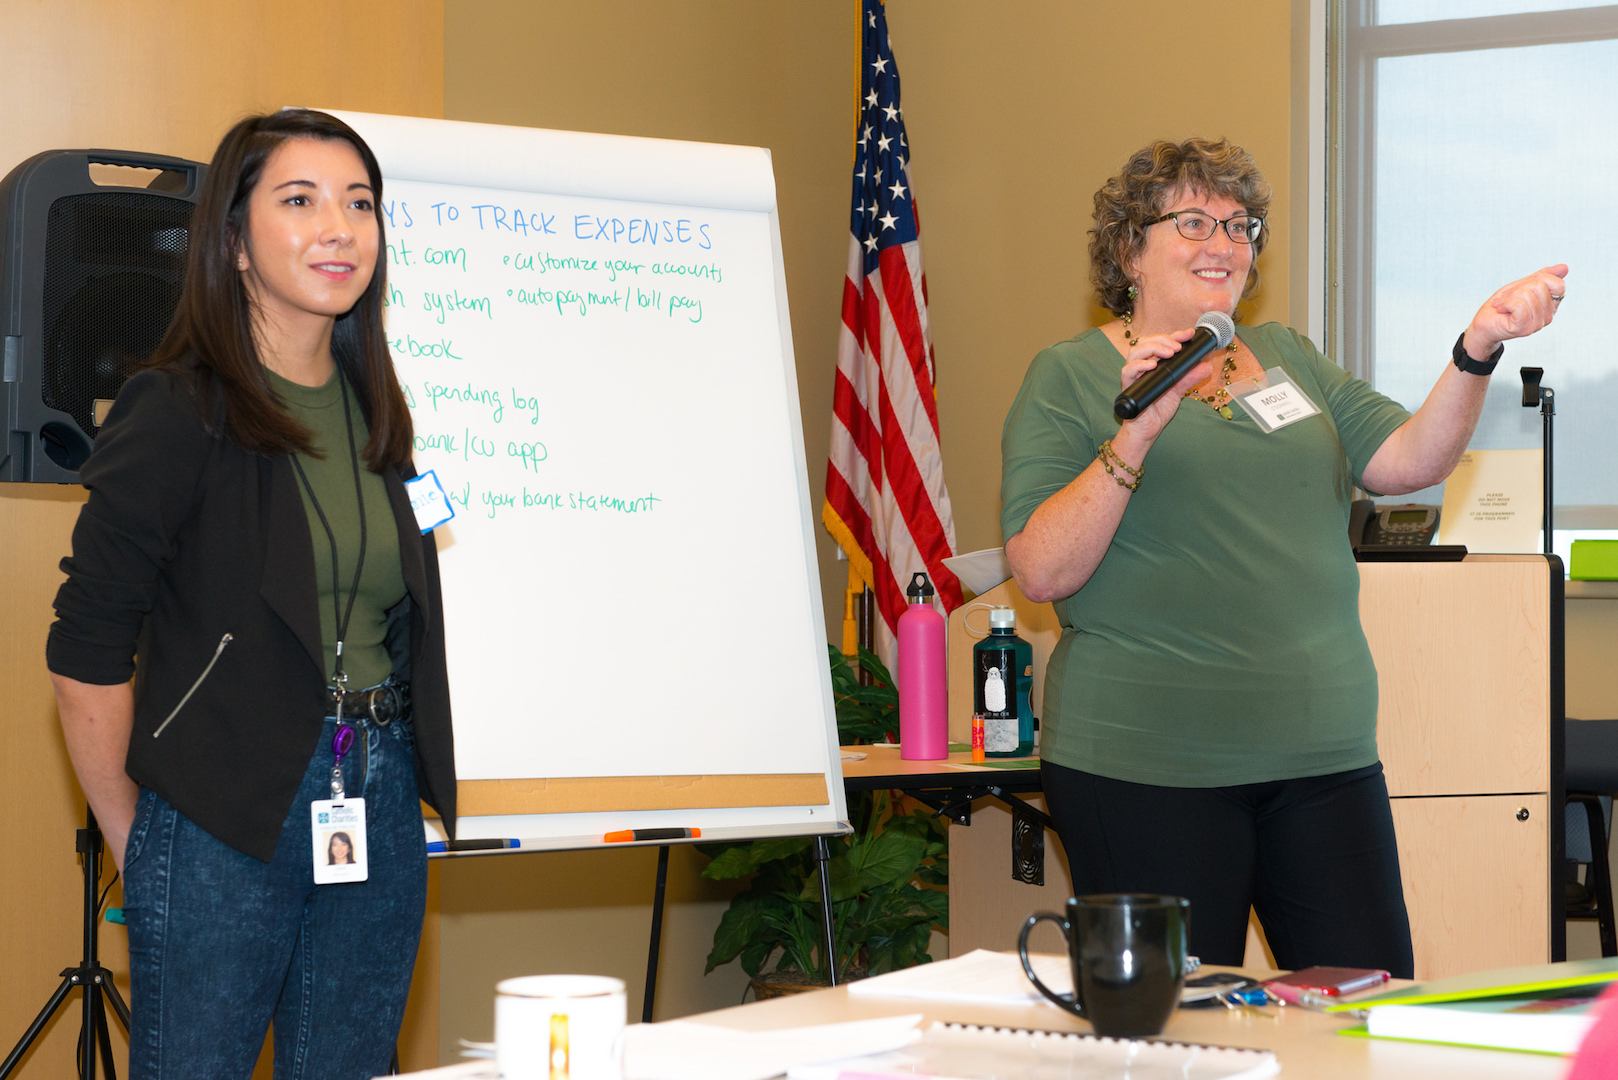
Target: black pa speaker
{"points": [[90, 275]]}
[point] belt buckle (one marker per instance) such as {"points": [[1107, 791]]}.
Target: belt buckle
{"points": [[392, 705]]}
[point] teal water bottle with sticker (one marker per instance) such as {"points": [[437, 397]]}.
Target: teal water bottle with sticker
{"points": [[1002, 680]]}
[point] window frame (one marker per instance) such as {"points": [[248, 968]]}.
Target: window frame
{"points": [[1354, 44]]}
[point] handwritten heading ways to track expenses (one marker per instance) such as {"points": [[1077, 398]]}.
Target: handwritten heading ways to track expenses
{"points": [[601, 380], [473, 278]]}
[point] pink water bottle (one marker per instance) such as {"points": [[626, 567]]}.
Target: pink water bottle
{"points": [[923, 686]]}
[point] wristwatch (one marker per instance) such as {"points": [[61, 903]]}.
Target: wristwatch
{"points": [[1476, 367]]}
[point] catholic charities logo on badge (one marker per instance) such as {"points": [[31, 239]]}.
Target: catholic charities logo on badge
{"points": [[325, 819]]}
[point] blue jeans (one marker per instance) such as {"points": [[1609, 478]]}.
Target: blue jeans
{"points": [[221, 943]]}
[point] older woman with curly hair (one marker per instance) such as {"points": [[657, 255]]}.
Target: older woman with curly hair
{"points": [[1210, 710]]}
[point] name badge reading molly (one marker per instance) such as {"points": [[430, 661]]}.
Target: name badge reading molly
{"points": [[1276, 402], [428, 500]]}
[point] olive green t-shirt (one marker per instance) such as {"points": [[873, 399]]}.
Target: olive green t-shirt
{"points": [[1218, 642], [365, 654]]}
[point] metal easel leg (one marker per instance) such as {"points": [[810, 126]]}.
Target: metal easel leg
{"points": [[823, 857], [657, 934]]}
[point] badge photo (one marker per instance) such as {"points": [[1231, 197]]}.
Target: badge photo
{"points": [[337, 840]]}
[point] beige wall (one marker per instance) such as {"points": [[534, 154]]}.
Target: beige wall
{"points": [[576, 911], [168, 76], [160, 77]]}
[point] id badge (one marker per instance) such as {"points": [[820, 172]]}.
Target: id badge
{"points": [[337, 837], [427, 499], [1276, 402]]}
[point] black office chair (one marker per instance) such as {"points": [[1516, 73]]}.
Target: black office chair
{"points": [[1590, 775]]}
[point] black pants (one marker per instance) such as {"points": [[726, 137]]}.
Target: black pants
{"points": [[1315, 857]]}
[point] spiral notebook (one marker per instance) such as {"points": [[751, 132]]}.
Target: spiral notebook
{"points": [[971, 1052]]}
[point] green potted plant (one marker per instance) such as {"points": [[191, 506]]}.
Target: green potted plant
{"points": [[868, 713], [887, 878]]}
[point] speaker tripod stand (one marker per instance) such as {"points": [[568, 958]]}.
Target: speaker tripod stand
{"points": [[89, 976]]}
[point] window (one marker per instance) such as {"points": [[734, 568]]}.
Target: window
{"points": [[1478, 142]]}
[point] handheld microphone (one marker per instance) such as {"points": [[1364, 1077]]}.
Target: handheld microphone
{"points": [[1214, 331]]}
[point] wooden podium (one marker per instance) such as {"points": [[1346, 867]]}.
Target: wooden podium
{"points": [[1469, 666]]}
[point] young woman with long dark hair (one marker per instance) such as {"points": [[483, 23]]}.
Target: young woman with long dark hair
{"points": [[251, 630]]}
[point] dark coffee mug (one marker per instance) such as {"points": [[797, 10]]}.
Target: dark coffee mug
{"points": [[1127, 951]]}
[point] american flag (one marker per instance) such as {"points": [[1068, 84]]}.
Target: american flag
{"points": [[886, 503]]}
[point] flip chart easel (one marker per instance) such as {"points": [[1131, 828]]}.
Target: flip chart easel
{"points": [[593, 334]]}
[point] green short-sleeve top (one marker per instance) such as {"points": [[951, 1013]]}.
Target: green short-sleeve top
{"points": [[1218, 642]]}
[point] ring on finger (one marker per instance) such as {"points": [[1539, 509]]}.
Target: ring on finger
{"points": [[1557, 299]]}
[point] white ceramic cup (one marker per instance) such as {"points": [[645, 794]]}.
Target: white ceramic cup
{"points": [[560, 1027]]}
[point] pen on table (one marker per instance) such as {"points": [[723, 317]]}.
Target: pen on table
{"points": [[440, 847], [1309, 999], [624, 836]]}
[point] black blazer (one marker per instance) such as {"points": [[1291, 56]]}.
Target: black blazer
{"points": [[187, 538]]}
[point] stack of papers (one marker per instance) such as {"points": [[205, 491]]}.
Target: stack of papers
{"points": [[980, 977]]}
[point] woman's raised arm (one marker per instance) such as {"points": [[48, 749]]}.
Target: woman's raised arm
{"points": [[1425, 448]]}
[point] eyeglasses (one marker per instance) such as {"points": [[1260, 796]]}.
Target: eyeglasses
{"points": [[1197, 225]]}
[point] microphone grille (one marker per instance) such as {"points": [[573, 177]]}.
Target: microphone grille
{"points": [[1220, 325]]}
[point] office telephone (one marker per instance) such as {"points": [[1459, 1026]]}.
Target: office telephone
{"points": [[1410, 525], [1393, 532]]}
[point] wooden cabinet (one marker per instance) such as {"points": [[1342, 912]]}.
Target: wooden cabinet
{"points": [[1463, 662], [1469, 671], [1475, 878]]}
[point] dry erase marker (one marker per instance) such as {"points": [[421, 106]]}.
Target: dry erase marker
{"points": [[624, 836], [442, 847]]}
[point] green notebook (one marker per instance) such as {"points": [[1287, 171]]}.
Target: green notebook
{"points": [[1497, 983], [1547, 1022]]}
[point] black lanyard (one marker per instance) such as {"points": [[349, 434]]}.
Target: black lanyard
{"points": [[339, 678]]}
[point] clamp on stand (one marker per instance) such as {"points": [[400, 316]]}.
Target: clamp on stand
{"points": [[1543, 396]]}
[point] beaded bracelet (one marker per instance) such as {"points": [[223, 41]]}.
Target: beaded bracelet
{"points": [[1107, 455]]}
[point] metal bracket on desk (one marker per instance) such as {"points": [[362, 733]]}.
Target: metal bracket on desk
{"points": [[1028, 825], [954, 804], [1019, 807], [950, 796]]}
